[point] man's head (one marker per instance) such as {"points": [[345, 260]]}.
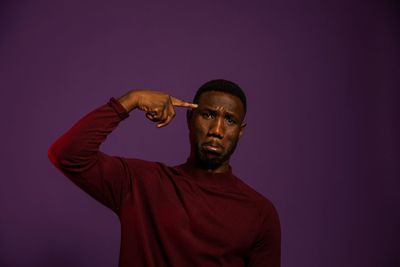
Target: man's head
{"points": [[217, 124], [221, 85]]}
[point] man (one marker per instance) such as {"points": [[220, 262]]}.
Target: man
{"points": [[194, 214]]}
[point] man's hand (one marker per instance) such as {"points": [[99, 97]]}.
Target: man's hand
{"points": [[159, 106]]}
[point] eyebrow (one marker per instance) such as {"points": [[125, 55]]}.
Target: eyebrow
{"points": [[216, 111]]}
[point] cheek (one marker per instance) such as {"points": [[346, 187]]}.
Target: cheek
{"points": [[199, 127], [198, 130], [233, 136]]}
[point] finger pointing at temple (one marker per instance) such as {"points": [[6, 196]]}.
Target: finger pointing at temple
{"points": [[180, 103]]}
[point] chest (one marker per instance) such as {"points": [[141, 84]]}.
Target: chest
{"points": [[220, 219]]}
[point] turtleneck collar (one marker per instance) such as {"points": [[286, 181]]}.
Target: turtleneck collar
{"points": [[205, 177]]}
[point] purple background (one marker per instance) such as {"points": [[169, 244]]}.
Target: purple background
{"points": [[322, 142]]}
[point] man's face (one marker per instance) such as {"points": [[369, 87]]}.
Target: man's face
{"points": [[215, 127]]}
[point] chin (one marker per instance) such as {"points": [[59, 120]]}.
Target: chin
{"points": [[212, 162]]}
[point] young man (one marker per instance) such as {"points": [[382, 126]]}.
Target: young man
{"points": [[194, 214]]}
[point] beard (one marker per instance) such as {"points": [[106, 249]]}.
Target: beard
{"points": [[209, 160]]}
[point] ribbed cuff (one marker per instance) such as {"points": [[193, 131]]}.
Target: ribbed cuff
{"points": [[116, 105]]}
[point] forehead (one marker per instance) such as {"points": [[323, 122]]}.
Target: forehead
{"points": [[223, 102]]}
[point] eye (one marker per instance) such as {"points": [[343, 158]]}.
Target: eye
{"points": [[207, 115], [230, 120]]}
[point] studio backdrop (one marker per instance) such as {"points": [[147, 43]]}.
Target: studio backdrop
{"points": [[322, 136]]}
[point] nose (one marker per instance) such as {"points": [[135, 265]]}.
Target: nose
{"points": [[217, 128]]}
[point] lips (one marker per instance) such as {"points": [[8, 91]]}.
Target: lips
{"points": [[212, 147]]}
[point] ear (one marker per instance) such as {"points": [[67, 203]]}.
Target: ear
{"points": [[242, 127]]}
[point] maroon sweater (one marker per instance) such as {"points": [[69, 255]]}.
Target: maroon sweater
{"points": [[178, 216]]}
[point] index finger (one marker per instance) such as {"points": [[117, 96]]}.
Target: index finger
{"points": [[180, 103]]}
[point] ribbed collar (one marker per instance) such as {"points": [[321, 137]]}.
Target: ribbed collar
{"points": [[205, 177]]}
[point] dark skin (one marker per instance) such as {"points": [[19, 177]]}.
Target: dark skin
{"points": [[215, 128], [215, 123]]}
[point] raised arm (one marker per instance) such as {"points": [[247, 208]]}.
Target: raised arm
{"points": [[76, 153]]}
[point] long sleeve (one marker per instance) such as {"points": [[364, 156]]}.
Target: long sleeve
{"points": [[77, 155], [267, 250]]}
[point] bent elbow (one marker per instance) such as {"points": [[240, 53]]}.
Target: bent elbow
{"points": [[70, 158], [54, 153]]}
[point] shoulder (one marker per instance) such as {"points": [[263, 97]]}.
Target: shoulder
{"points": [[145, 168], [269, 229], [264, 205], [141, 165]]}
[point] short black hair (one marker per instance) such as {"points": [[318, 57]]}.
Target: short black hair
{"points": [[221, 85]]}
